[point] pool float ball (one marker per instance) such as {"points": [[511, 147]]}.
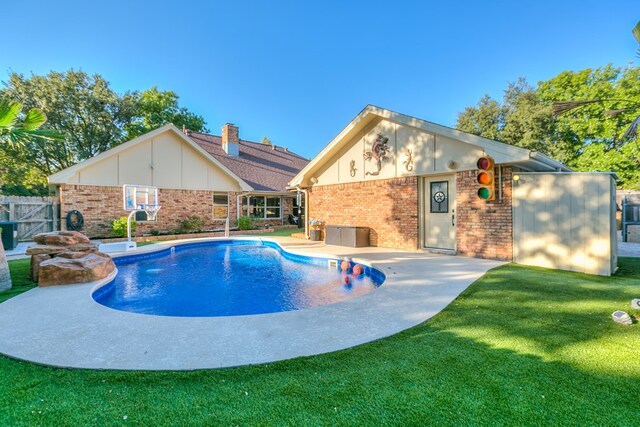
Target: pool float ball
{"points": [[345, 265], [358, 270]]}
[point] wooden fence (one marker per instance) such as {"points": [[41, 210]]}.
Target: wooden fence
{"points": [[33, 214]]}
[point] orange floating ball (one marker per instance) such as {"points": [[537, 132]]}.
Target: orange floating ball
{"points": [[345, 265], [358, 270]]}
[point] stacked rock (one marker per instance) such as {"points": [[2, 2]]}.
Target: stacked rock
{"points": [[65, 257]]}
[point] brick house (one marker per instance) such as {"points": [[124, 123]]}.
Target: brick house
{"points": [[213, 177], [423, 191]]}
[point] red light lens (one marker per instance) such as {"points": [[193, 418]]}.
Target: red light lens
{"points": [[483, 163]]}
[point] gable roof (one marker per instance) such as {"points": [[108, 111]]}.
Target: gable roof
{"points": [[264, 167], [513, 155], [64, 175]]}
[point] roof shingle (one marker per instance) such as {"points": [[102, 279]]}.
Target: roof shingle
{"points": [[264, 167]]}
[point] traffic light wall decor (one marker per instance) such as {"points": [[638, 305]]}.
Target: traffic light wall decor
{"points": [[486, 178]]}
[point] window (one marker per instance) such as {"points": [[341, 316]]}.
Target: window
{"points": [[256, 207], [440, 197], [220, 205], [141, 216], [261, 207], [273, 207]]}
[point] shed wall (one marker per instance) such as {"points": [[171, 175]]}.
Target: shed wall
{"points": [[565, 221]]}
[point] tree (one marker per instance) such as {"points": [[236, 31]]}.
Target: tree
{"points": [[94, 118], [588, 139], [154, 108], [82, 107], [266, 140], [521, 119], [16, 130]]}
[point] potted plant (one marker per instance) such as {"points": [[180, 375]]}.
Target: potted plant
{"points": [[316, 227]]}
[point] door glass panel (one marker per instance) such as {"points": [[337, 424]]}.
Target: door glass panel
{"points": [[439, 197]]}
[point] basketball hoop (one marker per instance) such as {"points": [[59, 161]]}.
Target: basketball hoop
{"points": [[150, 210]]}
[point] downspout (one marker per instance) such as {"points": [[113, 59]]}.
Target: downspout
{"points": [[238, 205], [306, 210], [500, 183]]}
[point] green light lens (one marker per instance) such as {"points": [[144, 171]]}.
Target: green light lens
{"points": [[484, 193]]}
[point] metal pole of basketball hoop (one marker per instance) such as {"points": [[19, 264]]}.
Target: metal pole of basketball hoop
{"points": [[150, 210], [132, 213]]}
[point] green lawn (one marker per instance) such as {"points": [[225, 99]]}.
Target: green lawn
{"points": [[522, 346], [286, 232]]}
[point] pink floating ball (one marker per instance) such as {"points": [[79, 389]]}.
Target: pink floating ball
{"points": [[345, 265], [358, 270]]}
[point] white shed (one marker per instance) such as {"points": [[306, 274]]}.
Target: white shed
{"points": [[565, 221]]}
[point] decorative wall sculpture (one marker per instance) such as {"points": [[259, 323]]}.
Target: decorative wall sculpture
{"points": [[408, 163], [352, 168], [379, 152]]}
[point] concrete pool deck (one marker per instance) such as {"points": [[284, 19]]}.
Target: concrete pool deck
{"points": [[63, 326]]}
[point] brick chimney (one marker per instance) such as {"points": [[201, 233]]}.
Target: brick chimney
{"points": [[231, 139]]}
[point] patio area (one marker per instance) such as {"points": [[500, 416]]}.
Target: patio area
{"points": [[64, 326]]}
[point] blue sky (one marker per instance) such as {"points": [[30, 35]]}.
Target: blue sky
{"points": [[299, 71]]}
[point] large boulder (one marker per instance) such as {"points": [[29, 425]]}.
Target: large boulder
{"points": [[36, 260], [61, 238], [55, 249], [45, 249], [63, 271]]}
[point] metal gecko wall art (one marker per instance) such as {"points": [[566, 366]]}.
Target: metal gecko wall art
{"points": [[352, 168], [379, 151], [408, 163]]}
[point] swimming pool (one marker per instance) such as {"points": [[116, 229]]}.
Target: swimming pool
{"points": [[229, 278]]}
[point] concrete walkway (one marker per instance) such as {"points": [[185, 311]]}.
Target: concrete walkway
{"points": [[627, 249], [64, 326]]}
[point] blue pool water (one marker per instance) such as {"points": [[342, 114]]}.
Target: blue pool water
{"points": [[228, 278]]}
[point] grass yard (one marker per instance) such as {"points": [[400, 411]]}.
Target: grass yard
{"points": [[521, 346], [284, 232]]}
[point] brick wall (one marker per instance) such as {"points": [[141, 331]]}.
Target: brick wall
{"points": [[388, 207], [484, 229], [101, 205]]}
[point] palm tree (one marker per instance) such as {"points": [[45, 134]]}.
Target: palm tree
{"points": [[16, 130]]}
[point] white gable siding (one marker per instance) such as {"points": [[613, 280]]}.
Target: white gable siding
{"points": [[430, 154], [164, 161]]}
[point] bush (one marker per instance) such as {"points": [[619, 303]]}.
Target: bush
{"points": [[191, 224], [119, 227], [244, 223], [155, 232]]}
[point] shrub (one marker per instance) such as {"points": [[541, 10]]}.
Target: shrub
{"points": [[244, 223], [191, 224], [119, 227], [155, 232]]}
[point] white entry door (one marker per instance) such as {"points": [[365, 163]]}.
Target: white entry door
{"points": [[439, 207]]}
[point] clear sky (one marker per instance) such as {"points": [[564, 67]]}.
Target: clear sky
{"points": [[299, 71]]}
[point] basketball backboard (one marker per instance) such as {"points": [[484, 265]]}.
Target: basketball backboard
{"points": [[136, 197]]}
